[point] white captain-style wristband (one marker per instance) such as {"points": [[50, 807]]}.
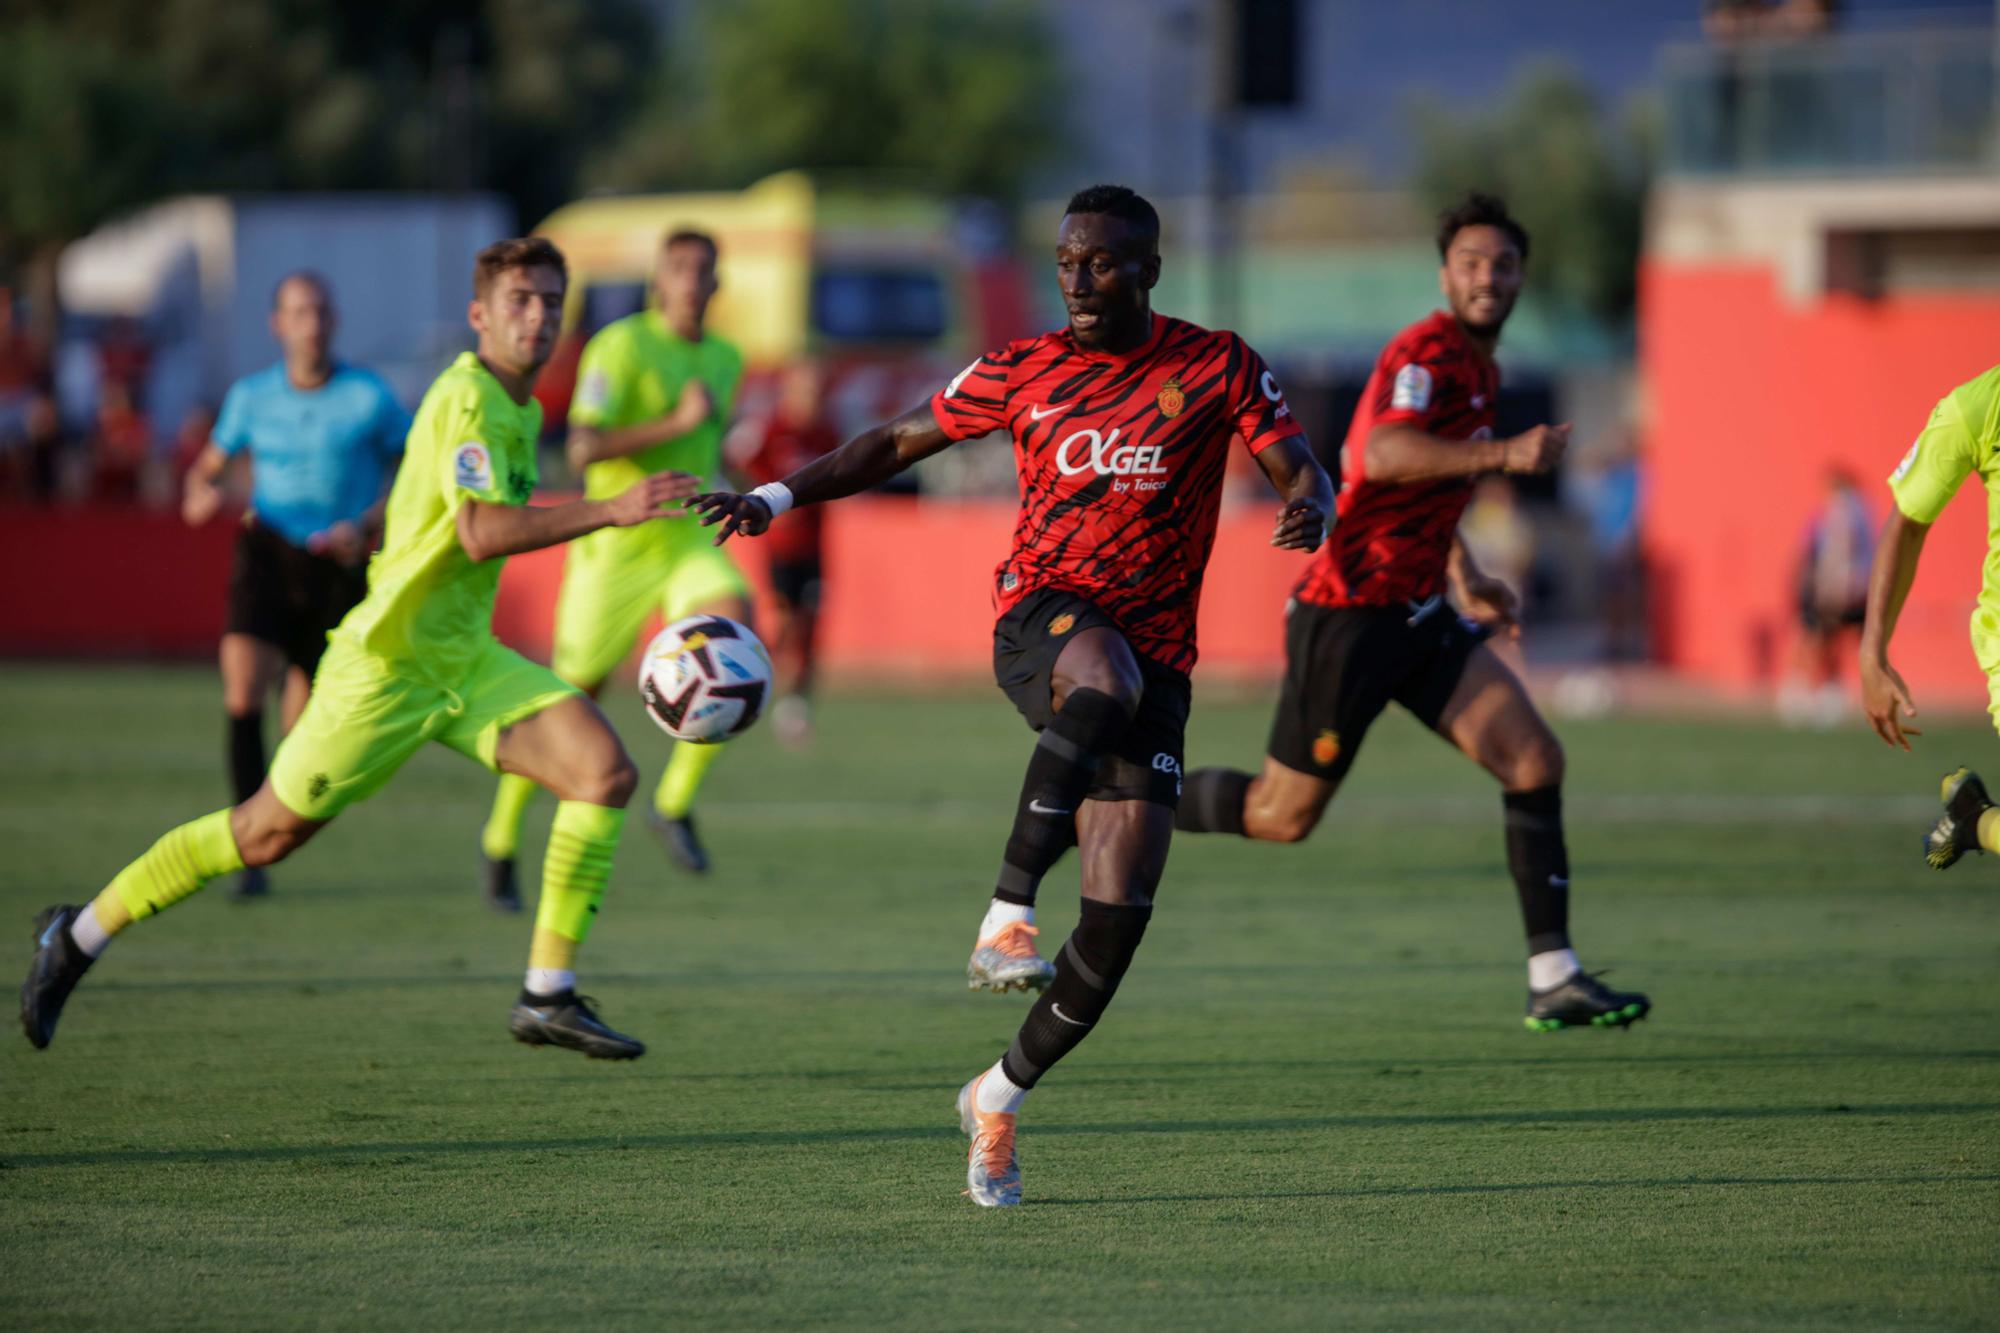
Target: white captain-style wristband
{"points": [[777, 496]]}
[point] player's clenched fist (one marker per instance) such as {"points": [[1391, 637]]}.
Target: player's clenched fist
{"points": [[745, 514], [653, 497], [1537, 449], [1301, 526]]}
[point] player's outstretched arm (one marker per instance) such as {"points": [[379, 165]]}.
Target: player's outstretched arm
{"points": [[864, 462], [1308, 493], [1401, 455], [489, 530], [1884, 696], [201, 493]]}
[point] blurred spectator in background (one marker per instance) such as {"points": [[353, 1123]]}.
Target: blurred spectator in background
{"points": [[796, 432], [1832, 603], [124, 357], [1605, 488], [1499, 534], [27, 416], [119, 453]]}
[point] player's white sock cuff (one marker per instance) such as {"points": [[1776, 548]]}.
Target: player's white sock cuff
{"points": [[998, 1094], [1553, 968], [1000, 914], [88, 932], [550, 980]]}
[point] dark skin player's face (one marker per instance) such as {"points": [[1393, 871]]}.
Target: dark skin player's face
{"points": [[1481, 278], [1107, 272]]}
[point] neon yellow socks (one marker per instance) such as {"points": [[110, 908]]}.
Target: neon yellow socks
{"points": [[686, 767], [1989, 828], [578, 863], [178, 864], [501, 837]]}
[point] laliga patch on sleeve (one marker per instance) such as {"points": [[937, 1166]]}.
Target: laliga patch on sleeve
{"points": [[595, 391], [1413, 389], [1903, 468], [472, 466]]}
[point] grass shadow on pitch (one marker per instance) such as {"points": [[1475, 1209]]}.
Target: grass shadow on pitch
{"points": [[802, 1138], [1524, 1187]]}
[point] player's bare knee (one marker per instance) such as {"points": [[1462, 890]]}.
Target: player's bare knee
{"points": [[262, 841], [612, 783], [1537, 764], [1280, 825]]}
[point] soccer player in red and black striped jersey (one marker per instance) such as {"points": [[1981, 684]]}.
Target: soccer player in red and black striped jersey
{"points": [[1369, 622], [1122, 423]]}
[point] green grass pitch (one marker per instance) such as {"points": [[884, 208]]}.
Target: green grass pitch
{"points": [[1313, 1104]]}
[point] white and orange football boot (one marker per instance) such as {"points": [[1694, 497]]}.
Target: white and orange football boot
{"points": [[1006, 960], [992, 1172]]}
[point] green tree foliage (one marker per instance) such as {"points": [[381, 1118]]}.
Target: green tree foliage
{"points": [[106, 104], [1576, 179], [953, 95]]}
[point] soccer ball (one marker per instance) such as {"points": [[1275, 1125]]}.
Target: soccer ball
{"points": [[705, 679]]}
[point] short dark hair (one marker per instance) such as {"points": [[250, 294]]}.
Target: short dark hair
{"points": [[1118, 202], [520, 252], [691, 236], [304, 275], [1480, 210]]}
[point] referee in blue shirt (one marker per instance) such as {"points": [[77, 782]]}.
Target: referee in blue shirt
{"points": [[323, 440]]}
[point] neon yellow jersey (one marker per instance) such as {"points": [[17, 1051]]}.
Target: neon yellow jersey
{"points": [[1962, 437], [634, 370], [429, 609]]}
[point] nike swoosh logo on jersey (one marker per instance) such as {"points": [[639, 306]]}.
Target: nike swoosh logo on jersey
{"points": [[1041, 809], [1056, 1009], [1039, 412]]}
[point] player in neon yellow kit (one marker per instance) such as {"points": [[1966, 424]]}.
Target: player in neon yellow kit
{"points": [[654, 392], [1962, 437], [416, 661]]}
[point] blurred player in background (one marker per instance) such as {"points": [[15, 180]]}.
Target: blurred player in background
{"points": [[322, 439], [1962, 437], [654, 392], [1369, 625], [1122, 423], [416, 661], [1832, 603], [794, 434]]}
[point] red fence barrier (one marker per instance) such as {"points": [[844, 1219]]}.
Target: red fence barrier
{"points": [[907, 592]]}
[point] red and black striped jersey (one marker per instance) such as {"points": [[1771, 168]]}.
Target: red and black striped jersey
{"points": [[1390, 540], [1119, 459]]}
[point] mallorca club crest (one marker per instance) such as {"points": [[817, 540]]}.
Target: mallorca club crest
{"points": [[1326, 748], [1172, 400], [1062, 624]]}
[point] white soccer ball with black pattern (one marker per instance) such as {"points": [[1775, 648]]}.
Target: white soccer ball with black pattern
{"points": [[705, 679]]}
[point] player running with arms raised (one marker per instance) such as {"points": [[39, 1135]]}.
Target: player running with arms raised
{"points": [[654, 391], [1122, 423], [1962, 437], [1369, 623], [417, 661], [322, 438]]}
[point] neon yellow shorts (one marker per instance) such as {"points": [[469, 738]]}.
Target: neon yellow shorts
{"points": [[1986, 648], [605, 600], [364, 722]]}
